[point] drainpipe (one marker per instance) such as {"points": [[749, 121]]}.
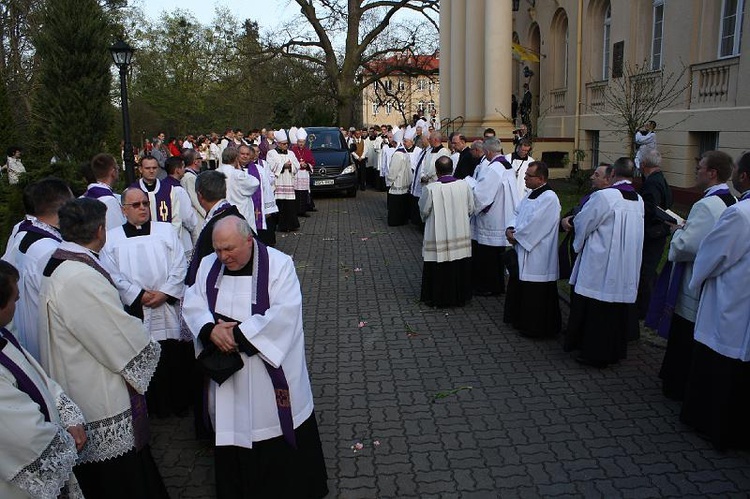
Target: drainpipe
{"points": [[579, 47]]}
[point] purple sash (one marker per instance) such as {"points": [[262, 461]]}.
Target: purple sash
{"points": [[97, 191], [667, 287], [257, 197], [625, 187], [261, 305], [163, 208], [447, 179], [416, 180], [171, 181], [22, 379], [28, 226], [138, 409]]}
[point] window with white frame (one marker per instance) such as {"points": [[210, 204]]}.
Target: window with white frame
{"points": [[401, 85], [388, 85], [658, 31], [431, 86], [420, 106], [431, 106], [420, 84], [388, 107], [374, 108], [606, 41], [730, 31]]}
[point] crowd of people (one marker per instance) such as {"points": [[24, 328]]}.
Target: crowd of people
{"points": [[139, 305], [491, 226], [170, 295]]}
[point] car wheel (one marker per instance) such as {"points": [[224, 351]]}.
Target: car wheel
{"points": [[351, 193]]}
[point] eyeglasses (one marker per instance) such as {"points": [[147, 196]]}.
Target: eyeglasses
{"points": [[138, 204]]}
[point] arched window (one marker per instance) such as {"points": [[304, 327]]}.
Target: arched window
{"points": [[560, 42]]}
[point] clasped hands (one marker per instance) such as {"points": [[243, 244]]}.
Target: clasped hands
{"points": [[153, 299], [222, 335]]}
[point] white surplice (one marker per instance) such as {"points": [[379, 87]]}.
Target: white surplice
{"points": [[188, 183], [519, 169], [243, 408], [399, 173], [721, 269], [30, 266], [386, 156], [445, 209], [536, 225], [240, 188], [609, 241], [115, 217], [684, 246], [36, 456], [154, 262], [93, 349], [495, 201]]}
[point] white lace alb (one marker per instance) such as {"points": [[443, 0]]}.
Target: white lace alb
{"points": [[46, 475], [139, 370], [70, 414], [108, 438]]}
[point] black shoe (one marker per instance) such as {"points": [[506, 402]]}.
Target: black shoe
{"points": [[592, 363]]}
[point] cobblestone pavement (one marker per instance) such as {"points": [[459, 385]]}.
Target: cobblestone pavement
{"points": [[452, 403]]}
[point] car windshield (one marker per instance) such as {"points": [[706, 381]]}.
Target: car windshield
{"points": [[326, 139]]}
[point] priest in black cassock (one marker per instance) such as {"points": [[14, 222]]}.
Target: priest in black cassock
{"points": [[531, 304], [608, 240], [716, 402]]}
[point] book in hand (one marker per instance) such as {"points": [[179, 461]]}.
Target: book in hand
{"points": [[668, 216]]}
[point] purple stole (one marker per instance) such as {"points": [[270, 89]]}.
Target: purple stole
{"points": [[416, 172], [163, 208], [624, 187], [501, 159], [662, 305], [195, 262], [446, 179], [261, 305], [22, 379], [257, 197], [171, 181], [97, 191], [138, 409], [28, 226]]}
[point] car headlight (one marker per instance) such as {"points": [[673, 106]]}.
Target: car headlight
{"points": [[348, 169]]}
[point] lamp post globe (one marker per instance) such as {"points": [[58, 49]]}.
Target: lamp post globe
{"points": [[122, 55]]}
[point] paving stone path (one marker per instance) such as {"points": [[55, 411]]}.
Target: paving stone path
{"points": [[453, 403]]}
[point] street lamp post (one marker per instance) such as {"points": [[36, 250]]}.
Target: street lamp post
{"points": [[122, 55]]}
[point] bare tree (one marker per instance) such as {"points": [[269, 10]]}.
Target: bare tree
{"points": [[639, 95], [340, 37]]}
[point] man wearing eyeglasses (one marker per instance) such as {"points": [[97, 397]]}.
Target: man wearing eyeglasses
{"points": [[532, 304], [147, 263], [168, 200]]}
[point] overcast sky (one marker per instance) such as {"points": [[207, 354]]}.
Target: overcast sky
{"points": [[268, 13]]}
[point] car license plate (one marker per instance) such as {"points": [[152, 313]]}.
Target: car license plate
{"points": [[324, 182]]}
